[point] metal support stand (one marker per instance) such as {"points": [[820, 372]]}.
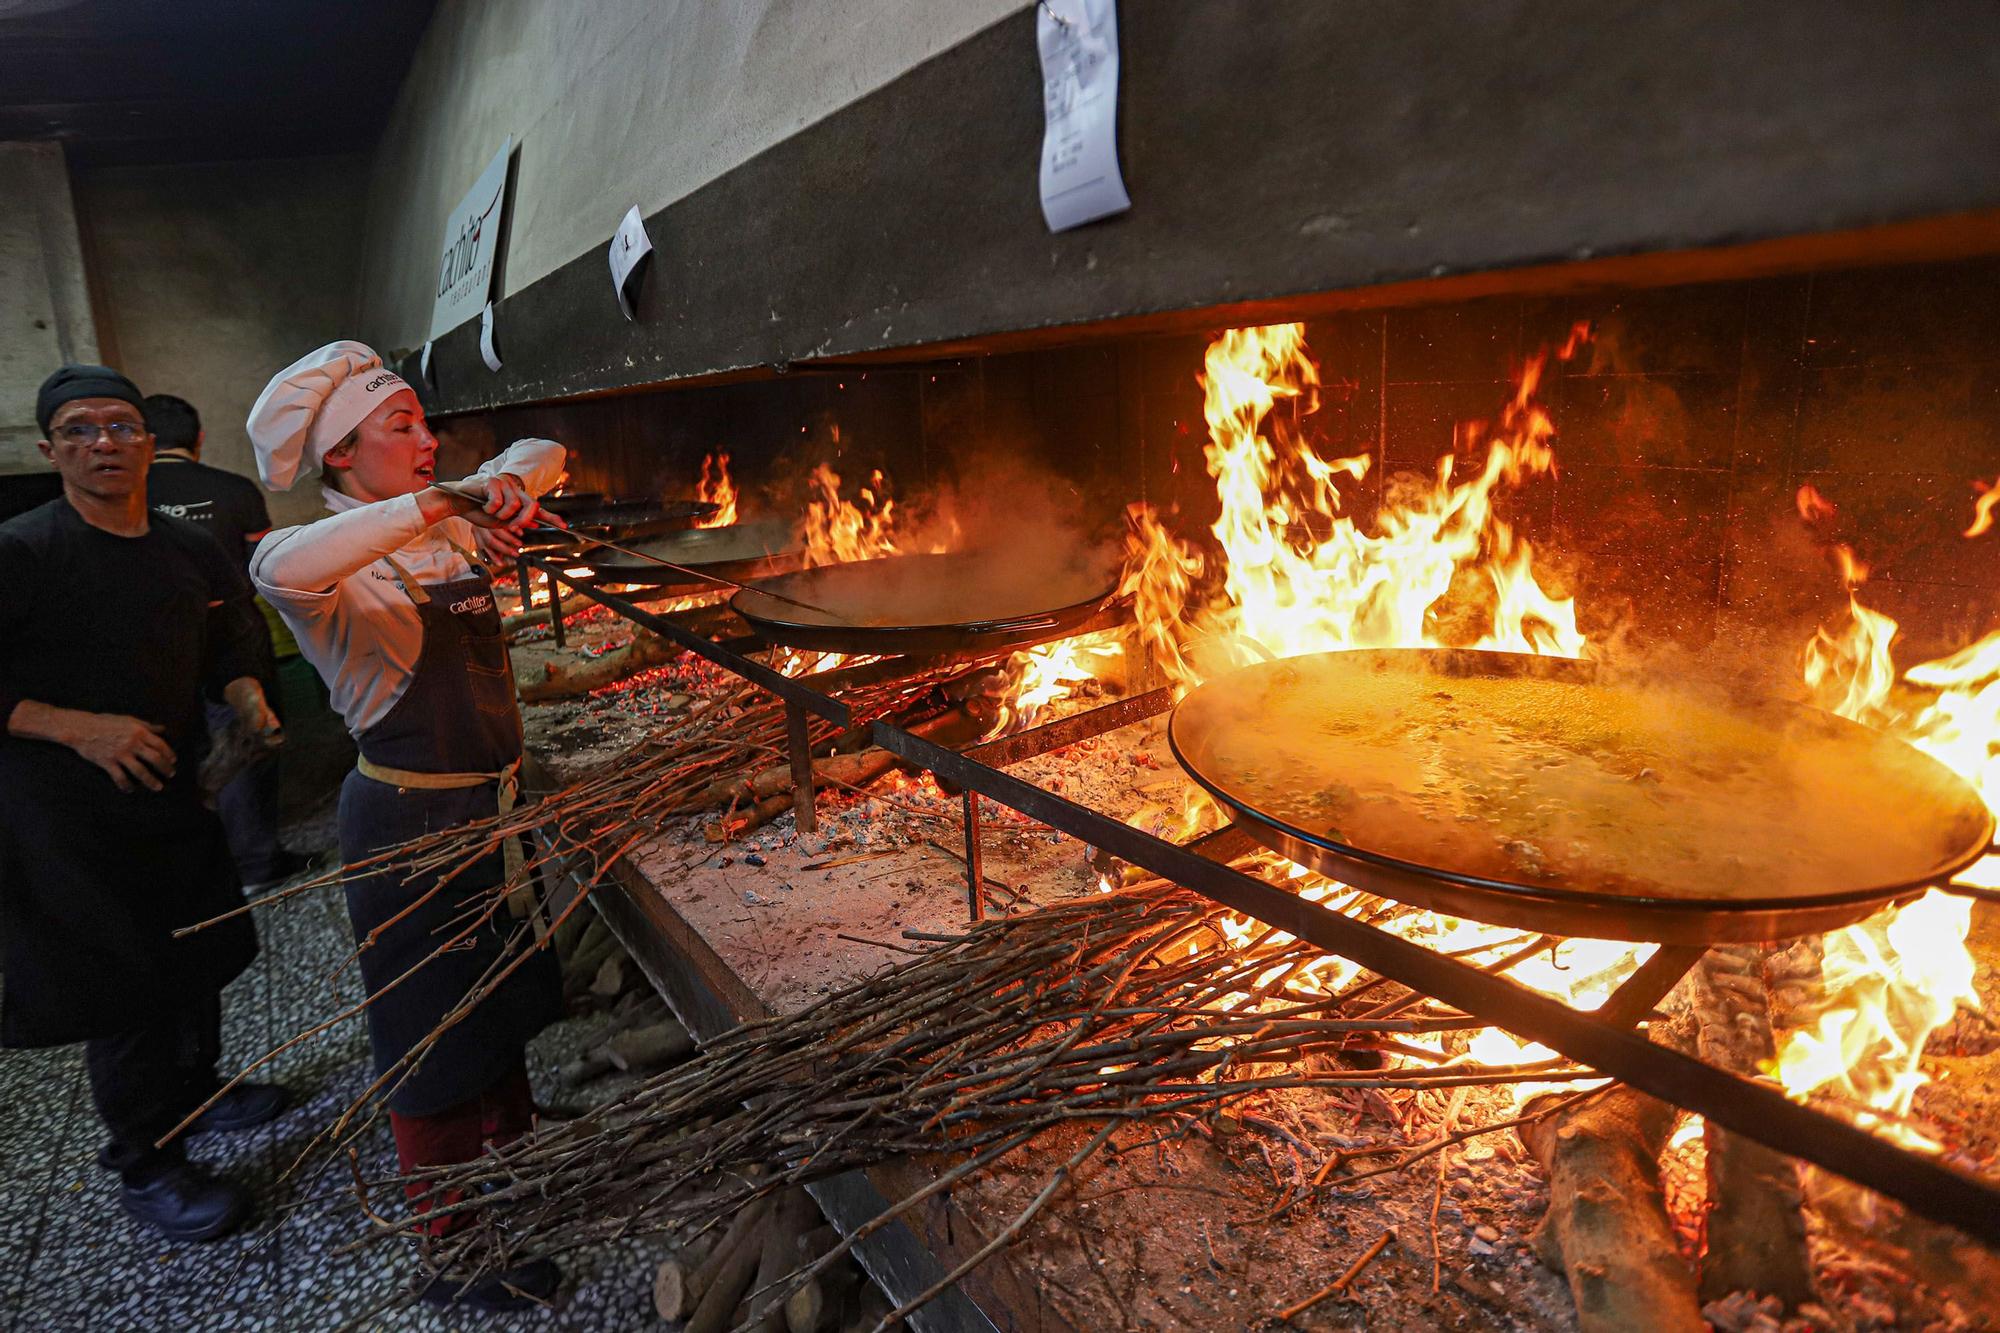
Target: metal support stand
{"points": [[555, 607], [975, 869], [802, 767], [1645, 988]]}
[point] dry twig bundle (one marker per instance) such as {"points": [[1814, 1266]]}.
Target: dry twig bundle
{"points": [[1107, 1011]]}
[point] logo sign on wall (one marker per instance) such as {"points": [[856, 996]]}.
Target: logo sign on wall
{"points": [[471, 238]]}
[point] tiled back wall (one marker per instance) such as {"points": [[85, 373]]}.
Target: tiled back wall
{"points": [[1684, 430]]}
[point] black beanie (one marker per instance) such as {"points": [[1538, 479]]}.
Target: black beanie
{"points": [[74, 382]]}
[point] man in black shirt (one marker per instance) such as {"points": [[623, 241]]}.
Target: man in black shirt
{"points": [[231, 509], [228, 507], [117, 622]]}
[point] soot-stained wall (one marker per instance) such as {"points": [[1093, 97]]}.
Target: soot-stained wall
{"points": [[210, 278], [1685, 428]]}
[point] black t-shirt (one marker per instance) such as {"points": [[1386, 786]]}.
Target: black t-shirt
{"points": [[144, 626], [226, 506]]}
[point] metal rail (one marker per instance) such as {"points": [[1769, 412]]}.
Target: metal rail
{"points": [[1924, 1185]]}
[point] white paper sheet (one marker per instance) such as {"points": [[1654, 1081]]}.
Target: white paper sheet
{"points": [[1079, 48], [629, 248], [486, 352], [424, 364], [471, 240]]}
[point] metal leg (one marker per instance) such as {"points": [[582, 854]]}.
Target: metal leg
{"points": [[555, 607], [802, 768], [1650, 984], [975, 869]]}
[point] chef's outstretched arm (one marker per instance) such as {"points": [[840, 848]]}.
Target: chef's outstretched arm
{"points": [[312, 559]]}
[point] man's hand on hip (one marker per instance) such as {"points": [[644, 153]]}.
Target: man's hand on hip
{"points": [[132, 752]]}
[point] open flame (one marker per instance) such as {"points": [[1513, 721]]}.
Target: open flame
{"points": [[1297, 575], [1041, 676], [1891, 981], [715, 487], [837, 530], [1287, 590]]}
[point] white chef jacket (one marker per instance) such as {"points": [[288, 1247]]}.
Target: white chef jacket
{"points": [[344, 604]]}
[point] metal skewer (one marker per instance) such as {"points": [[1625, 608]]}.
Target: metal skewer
{"points": [[590, 542], [628, 552]]}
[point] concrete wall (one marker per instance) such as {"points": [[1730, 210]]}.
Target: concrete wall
{"points": [[44, 301], [210, 277], [613, 103]]}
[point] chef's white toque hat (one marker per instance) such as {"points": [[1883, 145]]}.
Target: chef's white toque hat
{"points": [[310, 405]]}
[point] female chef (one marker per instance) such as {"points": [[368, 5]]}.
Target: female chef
{"points": [[388, 601]]}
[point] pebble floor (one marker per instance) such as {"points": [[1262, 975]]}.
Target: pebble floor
{"points": [[70, 1259]]}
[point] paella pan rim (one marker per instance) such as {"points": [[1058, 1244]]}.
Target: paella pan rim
{"points": [[1561, 909], [775, 625], [755, 560]]}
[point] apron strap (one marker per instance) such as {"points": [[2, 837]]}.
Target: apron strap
{"points": [[414, 589]]}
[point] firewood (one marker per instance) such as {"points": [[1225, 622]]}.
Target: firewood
{"points": [[562, 680], [806, 1310], [1756, 1226], [584, 965], [609, 981], [856, 770], [653, 1046], [726, 1274], [679, 1285], [513, 624], [866, 1309], [1607, 1227], [791, 1217], [593, 1064]]}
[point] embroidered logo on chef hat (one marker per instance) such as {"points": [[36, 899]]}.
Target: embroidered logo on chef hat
{"points": [[311, 405]]}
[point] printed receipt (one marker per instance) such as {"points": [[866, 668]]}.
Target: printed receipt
{"points": [[1079, 47]]}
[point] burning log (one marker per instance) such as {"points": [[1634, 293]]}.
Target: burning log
{"points": [[563, 680], [1607, 1228], [1756, 1230], [763, 796], [533, 617]]}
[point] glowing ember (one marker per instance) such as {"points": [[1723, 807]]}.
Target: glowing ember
{"points": [[714, 487], [1050, 672]]}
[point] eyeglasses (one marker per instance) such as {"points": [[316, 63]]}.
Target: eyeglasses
{"points": [[121, 432]]}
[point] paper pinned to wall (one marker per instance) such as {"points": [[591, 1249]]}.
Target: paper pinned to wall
{"points": [[471, 246], [1079, 48], [629, 248], [486, 351]]}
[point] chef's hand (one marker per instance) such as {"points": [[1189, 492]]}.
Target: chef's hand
{"points": [[499, 545], [129, 750], [495, 503]]}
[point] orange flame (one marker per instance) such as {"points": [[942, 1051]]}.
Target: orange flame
{"points": [[1287, 591], [837, 530], [1892, 980], [1982, 508], [1044, 675], [715, 487]]}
